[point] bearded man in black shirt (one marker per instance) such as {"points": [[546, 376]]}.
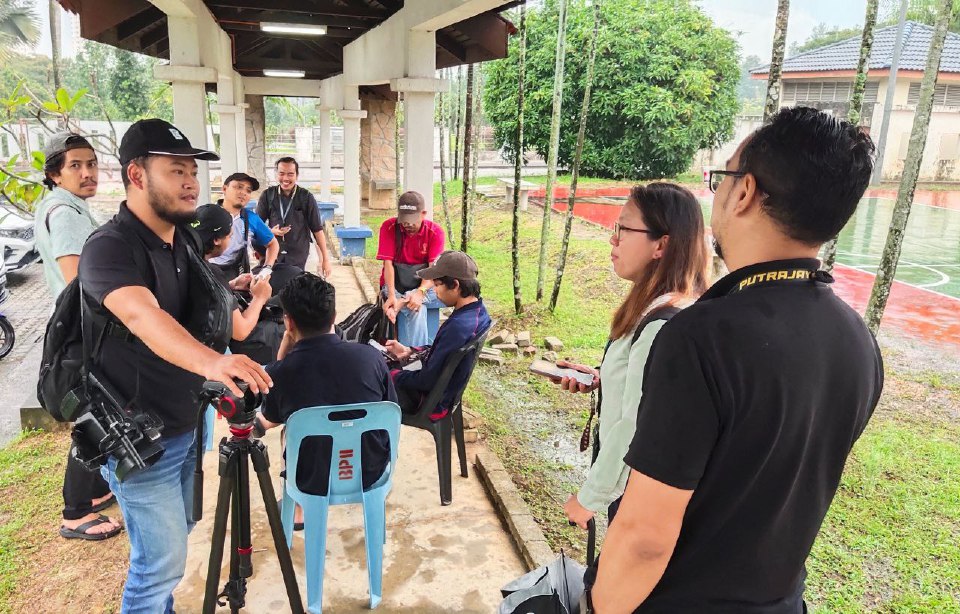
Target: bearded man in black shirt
{"points": [[754, 396]]}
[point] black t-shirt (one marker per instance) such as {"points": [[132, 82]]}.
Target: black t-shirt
{"points": [[325, 370], [753, 398], [300, 212], [107, 264]]}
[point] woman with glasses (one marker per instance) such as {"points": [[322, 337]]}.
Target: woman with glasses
{"points": [[658, 244]]}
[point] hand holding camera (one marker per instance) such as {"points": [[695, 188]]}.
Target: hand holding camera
{"points": [[225, 369]]}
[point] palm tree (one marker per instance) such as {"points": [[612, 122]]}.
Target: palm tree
{"points": [[19, 25], [853, 115], [772, 104], [554, 144], [911, 170], [577, 155], [518, 163]]}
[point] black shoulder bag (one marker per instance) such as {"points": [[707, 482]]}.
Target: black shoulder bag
{"points": [[404, 275]]}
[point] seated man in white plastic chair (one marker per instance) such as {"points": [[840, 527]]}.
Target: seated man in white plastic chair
{"points": [[316, 368]]}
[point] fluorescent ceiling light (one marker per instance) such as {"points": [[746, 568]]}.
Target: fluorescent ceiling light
{"points": [[293, 74], [293, 28]]}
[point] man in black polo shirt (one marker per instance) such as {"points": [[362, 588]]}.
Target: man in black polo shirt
{"points": [[292, 214], [315, 368], [754, 396], [134, 272]]}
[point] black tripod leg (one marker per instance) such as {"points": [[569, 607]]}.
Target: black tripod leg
{"points": [[261, 465], [228, 463]]}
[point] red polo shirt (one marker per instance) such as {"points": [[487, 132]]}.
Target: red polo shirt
{"points": [[421, 248]]}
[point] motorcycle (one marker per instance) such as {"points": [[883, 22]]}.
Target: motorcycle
{"points": [[7, 336]]}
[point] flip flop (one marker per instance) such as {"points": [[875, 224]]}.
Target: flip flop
{"points": [[99, 507], [80, 532]]}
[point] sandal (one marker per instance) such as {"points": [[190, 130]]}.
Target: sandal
{"points": [[80, 532], [99, 507]]}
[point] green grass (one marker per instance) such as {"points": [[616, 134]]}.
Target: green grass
{"points": [[31, 473], [890, 540]]}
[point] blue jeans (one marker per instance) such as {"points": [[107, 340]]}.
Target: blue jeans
{"points": [[412, 325], [157, 506]]}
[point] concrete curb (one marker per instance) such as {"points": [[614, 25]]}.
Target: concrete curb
{"points": [[333, 243], [510, 506], [366, 288]]}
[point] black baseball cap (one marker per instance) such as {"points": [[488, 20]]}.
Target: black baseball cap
{"points": [[254, 184], [213, 222], [155, 137]]}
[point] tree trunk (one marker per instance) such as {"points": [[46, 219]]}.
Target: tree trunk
{"points": [[443, 167], [458, 118], [911, 170], [856, 102], [55, 43], [477, 126], [578, 153], [554, 145], [467, 130], [396, 145], [518, 163], [776, 61]]}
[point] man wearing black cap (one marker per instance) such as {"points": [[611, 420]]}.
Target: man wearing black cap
{"points": [[134, 273], [235, 260], [454, 277], [61, 225]]}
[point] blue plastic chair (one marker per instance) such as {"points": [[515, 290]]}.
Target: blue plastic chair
{"points": [[345, 487]]}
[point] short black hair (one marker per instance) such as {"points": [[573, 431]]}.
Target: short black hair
{"points": [[813, 168], [310, 302], [287, 160], [468, 287], [139, 161]]}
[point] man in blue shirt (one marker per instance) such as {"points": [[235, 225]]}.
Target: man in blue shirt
{"points": [[454, 277], [247, 227]]}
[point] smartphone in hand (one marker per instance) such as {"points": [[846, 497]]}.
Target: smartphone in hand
{"points": [[379, 346], [551, 370]]}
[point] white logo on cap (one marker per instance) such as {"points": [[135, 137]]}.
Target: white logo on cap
{"points": [[176, 134], [408, 207]]}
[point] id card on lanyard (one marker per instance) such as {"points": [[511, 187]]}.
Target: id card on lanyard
{"points": [[284, 211]]}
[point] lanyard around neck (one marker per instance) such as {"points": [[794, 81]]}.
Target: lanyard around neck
{"points": [[285, 210]]}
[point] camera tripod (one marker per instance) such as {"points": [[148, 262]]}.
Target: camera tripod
{"points": [[233, 497]]}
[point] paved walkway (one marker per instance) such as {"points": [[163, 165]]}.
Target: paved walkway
{"points": [[437, 559]]}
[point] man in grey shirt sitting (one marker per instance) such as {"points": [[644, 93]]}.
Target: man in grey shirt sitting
{"points": [[62, 224]]}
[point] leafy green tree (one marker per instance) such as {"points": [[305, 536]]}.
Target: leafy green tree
{"points": [[664, 88], [128, 81]]}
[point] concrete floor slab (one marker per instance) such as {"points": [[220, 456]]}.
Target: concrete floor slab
{"points": [[437, 559]]}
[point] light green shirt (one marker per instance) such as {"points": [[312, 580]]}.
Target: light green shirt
{"points": [[621, 384], [70, 224]]}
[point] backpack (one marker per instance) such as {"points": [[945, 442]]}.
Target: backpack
{"points": [[366, 323], [66, 341]]}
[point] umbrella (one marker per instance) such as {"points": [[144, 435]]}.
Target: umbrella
{"points": [[555, 588]]}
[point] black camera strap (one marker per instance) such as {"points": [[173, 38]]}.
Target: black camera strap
{"points": [[85, 335]]}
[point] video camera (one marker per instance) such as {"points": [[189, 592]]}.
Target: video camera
{"points": [[105, 427]]}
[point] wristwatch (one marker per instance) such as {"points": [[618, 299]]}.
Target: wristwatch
{"points": [[421, 289]]}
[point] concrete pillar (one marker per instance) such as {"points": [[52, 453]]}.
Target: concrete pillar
{"points": [[255, 128], [418, 146], [418, 109], [189, 89], [325, 172], [351, 165], [378, 154]]}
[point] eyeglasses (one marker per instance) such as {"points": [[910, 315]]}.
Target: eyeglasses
{"points": [[618, 228], [716, 178]]}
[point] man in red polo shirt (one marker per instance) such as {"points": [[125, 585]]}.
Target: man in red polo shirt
{"points": [[408, 243]]}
